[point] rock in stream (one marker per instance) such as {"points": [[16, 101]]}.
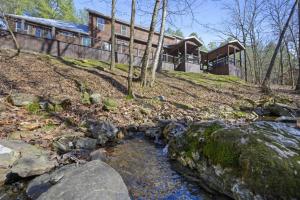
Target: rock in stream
{"points": [[256, 161]]}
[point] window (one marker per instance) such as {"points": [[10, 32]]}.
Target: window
{"points": [[100, 23], [38, 32], [18, 26], [123, 30], [106, 46], [47, 34], [2, 24], [86, 41], [67, 34], [26, 28]]}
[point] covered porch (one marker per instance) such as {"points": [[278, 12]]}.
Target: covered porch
{"points": [[183, 56], [225, 60]]}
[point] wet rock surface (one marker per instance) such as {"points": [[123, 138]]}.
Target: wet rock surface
{"points": [[256, 161], [103, 131], [94, 180]]}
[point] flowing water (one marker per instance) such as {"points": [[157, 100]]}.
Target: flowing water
{"points": [[149, 174]]}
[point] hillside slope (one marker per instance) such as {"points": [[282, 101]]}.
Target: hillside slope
{"points": [[187, 96]]}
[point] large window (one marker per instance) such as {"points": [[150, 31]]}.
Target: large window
{"points": [[47, 34], [26, 28], [2, 24], [86, 41], [123, 30], [106, 46], [38, 32], [18, 26], [68, 34], [100, 23]]}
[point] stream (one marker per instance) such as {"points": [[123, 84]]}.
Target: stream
{"points": [[149, 174]]}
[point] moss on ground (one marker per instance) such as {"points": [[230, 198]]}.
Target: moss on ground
{"points": [[205, 79], [33, 108], [109, 104]]}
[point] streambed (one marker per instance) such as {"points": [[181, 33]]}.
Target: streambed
{"points": [[148, 173]]}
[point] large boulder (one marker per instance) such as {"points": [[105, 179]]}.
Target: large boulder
{"points": [[256, 161], [92, 181], [22, 99], [103, 131], [173, 129], [25, 160]]}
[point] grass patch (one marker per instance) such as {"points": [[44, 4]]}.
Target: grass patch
{"points": [[109, 104], [33, 108], [86, 98], [50, 126], [209, 80]]}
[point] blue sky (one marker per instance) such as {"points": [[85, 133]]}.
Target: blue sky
{"points": [[210, 13]]}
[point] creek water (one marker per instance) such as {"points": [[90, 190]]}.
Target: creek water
{"points": [[149, 174]]}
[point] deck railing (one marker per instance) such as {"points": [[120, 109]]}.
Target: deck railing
{"points": [[176, 60], [224, 61], [192, 59]]}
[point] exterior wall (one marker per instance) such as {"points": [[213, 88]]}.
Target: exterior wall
{"points": [[58, 34], [166, 66], [220, 70], [58, 48], [190, 67], [141, 36]]}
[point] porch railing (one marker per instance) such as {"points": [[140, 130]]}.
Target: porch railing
{"points": [[224, 61], [192, 59], [176, 59]]}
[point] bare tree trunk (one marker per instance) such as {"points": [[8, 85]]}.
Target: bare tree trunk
{"points": [[281, 65], [113, 36], [145, 62], [160, 42], [131, 43], [298, 82], [245, 58], [266, 82], [10, 31], [290, 64]]}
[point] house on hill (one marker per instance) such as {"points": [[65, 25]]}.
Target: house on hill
{"points": [[61, 38]]}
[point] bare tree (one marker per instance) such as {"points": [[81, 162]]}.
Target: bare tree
{"points": [[113, 36], [145, 61], [266, 82], [10, 30], [131, 43], [298, 82], [160, 42]]}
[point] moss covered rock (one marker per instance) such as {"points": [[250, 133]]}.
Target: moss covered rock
{"points": [[256, 161]]}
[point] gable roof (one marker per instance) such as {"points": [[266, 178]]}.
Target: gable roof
{"points": [[68, 26], [194, 39], [127, 23], [233, 42]]}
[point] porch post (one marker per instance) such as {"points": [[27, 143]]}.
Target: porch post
{"points": [[240, 58], [22, 25], [234, 56], [199, 58], [53, 32]]}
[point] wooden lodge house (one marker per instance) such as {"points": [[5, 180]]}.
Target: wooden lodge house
{"points": [[94, 41]]}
